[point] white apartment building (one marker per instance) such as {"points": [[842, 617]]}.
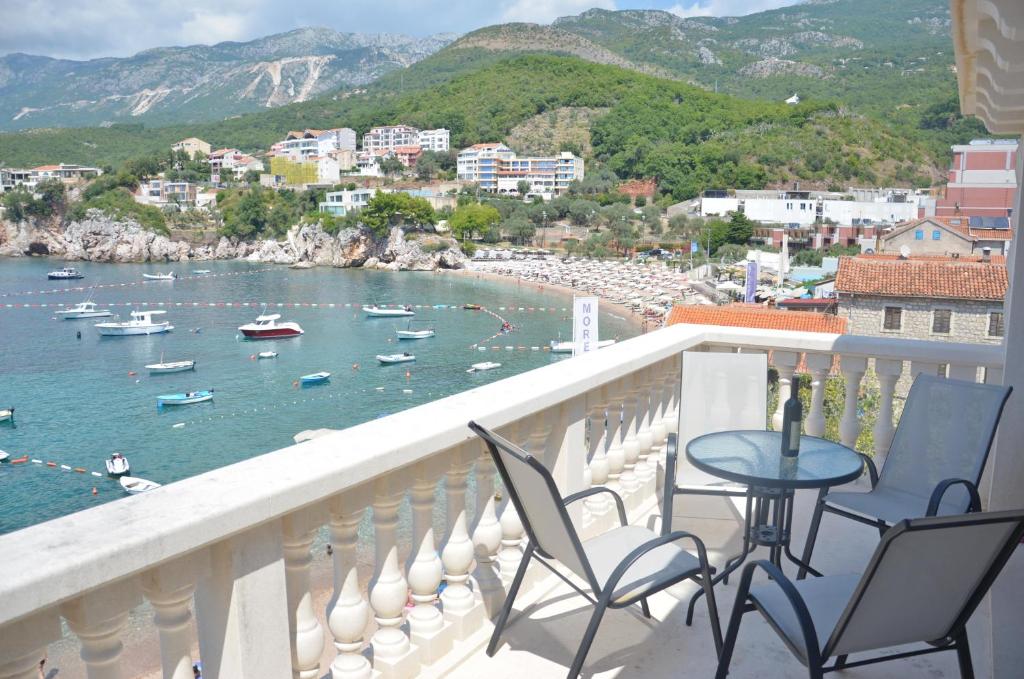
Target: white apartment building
{"points": [[435, 140], [233, 161], [387, 137], [497, 168], [340, 203], [12, 178], [803, 208], [316, 143], [167, 194]]}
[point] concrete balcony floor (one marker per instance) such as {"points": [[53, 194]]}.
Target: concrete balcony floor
{"points": [[549, 621]]}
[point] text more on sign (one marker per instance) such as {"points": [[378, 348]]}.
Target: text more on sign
{"points": [[584, 325]]}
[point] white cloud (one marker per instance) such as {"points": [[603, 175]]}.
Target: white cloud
{"points": [[546, 11], [725, 8]]}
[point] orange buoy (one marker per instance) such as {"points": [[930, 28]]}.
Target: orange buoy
{"points": [[295, 384], [408, 374], [20, 460], [131, 373], [51, 464], [79, 470], [252, 357], [94, 491]]}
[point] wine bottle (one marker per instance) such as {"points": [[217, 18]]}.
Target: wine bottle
{"points": [[792, 421]]}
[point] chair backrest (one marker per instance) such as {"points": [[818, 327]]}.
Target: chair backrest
{"points": [[925, 579], [537, 501], [945, 432], [720, 392]]}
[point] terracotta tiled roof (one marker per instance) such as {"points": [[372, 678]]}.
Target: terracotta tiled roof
{"points": [[757, 316], [940, 279], [46, 168]]}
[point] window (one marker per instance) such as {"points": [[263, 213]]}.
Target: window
{"points": [[893, 318], [919, 234], [936, 235], [995, 324], [940, 321]]}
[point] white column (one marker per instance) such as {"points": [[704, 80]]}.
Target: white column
{"points": [[98, 620], [853, 369], [662, 397], [510, 554], [646, 470], [169, 588], [630, 446], [598, 505], [487, 536], [567, 451], [888, 372], [785, 363], [674, 387], [348, 613], [427, 627], [819, 365], [461, 608], [393, 656], [306, 636], [616, 455], [23, 644]]}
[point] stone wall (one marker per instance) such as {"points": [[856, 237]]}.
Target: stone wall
{"points": [[968, 321]]}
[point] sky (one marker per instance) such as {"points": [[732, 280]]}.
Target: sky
{"points": [[86, 29]]}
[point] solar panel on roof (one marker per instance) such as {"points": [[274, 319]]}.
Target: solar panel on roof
{"points": [[989, 222]]}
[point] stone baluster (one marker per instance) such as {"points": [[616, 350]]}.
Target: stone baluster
{"points": [[510, 553], [393, 655], [597, 403], [305, 632], [98, 619], [615, 453], [659, 427], [853, 369], [785, 363], [427, 628], [646, 470], [674, 385], [819, 365], [348, 612], [888, 372], [487, 535], [23, 644], [628, 481], [169, 589], [461, 608]]}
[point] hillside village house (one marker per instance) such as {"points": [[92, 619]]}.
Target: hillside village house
{"points": [[223, 161], [192, 146], [937, 299], [948, 236], [340, 203], [167, 194], [12, 178]]}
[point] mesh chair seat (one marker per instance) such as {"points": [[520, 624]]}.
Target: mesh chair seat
{"points": [[826, 599], [890, 505], [653, 571]]}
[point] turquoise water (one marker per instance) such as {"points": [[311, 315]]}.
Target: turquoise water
{"points": [[77, 402]]}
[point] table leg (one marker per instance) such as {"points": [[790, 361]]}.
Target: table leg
{"points": [[787, 534]]}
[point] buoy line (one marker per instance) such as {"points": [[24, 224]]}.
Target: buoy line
{"points": [[82, 288], [206, 304]]}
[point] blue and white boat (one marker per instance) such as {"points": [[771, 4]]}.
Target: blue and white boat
{"points": [[315, 378], [186, 398]]}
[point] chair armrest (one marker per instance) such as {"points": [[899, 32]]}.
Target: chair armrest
{"points": [[796, 601], [940, 491], [872, 469], [659, 541], [668, 492], [594, 491]]}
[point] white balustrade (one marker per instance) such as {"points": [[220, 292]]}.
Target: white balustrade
{"points": [[305, 632], [427, 627], [461, 607], [98, 620], [785, 363], [23, 644], [853, 369], [820, 365], [348, 611], [888, 373], [393, 655], [169, 588]]}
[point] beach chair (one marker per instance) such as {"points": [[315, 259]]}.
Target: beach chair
{"points": [[620, 568], [923, 583]]}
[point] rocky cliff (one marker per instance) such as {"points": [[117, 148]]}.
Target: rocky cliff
{"points": [[98, 238]]}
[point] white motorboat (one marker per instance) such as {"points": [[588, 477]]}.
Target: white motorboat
{"points": [[201, 272], [390, 359], [7, 414], [267, 354], [135, 485], [84, 310], [117, 465], [267, 327], [375, 311], [170, 366], [65, 274], [169, 276], [480, 367], [414, 334], [185, 398], [566, 347], [139, 323], [4, 456]]}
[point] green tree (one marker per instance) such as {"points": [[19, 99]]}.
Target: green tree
{"points": [[472, 219], [251, 216], [428, 165], [583, 212], [740, 230], [392, 166], [523, 187], [521, 229], [385, 210]]}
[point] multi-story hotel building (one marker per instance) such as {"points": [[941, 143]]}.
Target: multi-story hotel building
{"points": [[435, 140], [982, 180], [315, 143], [387, 137], [497, 168]]}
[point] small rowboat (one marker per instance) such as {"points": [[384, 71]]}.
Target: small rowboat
{"points": [[472, 307], [187, 398], [414, 334], [267, 354], [390, 359], [315, 378], [170, 367], [377, 312], [480, 367], [3, 456], [169, 276], [135, 485], [6, 414]]}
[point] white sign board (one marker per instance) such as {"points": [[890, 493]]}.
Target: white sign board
{"points": [[584, 325]]}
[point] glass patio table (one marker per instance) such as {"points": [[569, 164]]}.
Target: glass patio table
{"points": [[754, 458]]}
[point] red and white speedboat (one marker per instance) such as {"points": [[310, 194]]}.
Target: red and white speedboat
{"points": [[267, 327]]}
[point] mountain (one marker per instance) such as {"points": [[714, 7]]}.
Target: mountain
{"points": [[200, 82]]}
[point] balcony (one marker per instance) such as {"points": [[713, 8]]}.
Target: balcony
{"points": [[235, 545]]}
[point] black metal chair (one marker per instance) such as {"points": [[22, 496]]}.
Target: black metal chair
{"points": [[923, 583], [935, 461], [621, 567]]}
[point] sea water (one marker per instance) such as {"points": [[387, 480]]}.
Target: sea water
{"points": [[79, 399]]}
